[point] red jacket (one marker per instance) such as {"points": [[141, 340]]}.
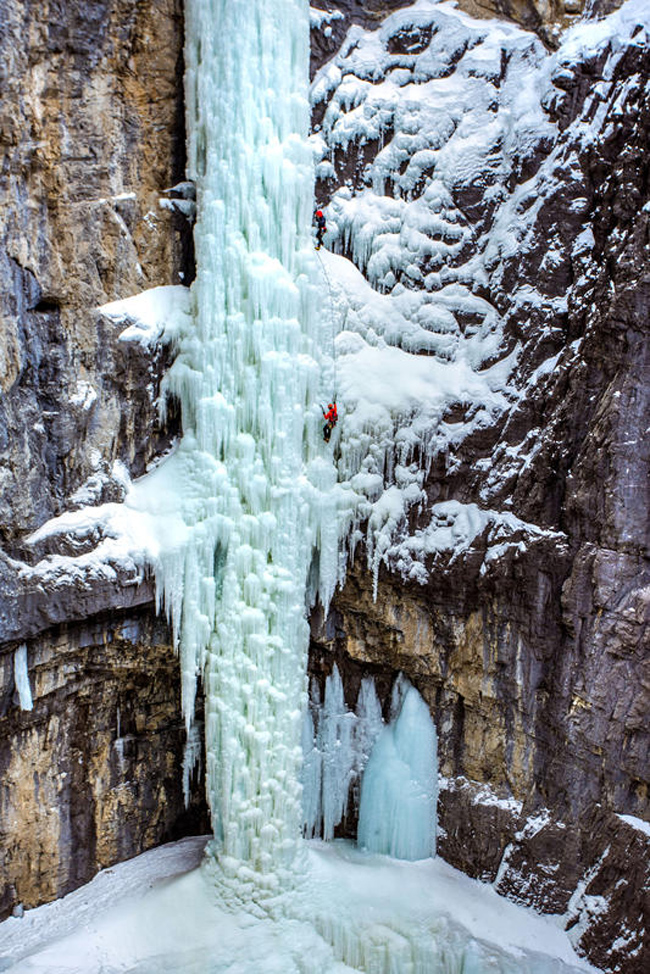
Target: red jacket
{"points": [[331, 415]]}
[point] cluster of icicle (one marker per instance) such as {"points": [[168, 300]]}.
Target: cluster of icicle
{"points": [[261, 512], [388, 770]]}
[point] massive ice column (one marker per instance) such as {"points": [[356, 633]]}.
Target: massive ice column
{"points": [[252, 467]]}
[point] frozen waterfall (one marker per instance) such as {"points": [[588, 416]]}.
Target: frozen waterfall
{"points": [[261, 513], [255, 475], [242, 524], [397, 812], [388, 771], [337, 743]]}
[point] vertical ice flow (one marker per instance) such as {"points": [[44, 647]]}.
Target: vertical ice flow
{"points": [[389, 772], [397, 812], [337, 743], [21, 678], [254, 474]]}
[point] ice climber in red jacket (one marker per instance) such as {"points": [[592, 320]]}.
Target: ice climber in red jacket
{"points": [[331, 419]]}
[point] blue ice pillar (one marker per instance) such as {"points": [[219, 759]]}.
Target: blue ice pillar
{"points": [[399, 791]]}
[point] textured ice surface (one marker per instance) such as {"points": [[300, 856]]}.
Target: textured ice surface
{"points": [[240, 523], [448, 117], [249, 476], [389, 772], [21, 678], [399, 789], [337, 743], [353, 912]]}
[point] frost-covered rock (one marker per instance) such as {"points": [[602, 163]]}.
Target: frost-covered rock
{"points": [[493, 193]]}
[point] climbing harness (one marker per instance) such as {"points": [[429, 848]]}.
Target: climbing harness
{"points": [[331, 419]]}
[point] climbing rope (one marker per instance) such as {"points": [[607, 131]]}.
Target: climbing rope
{"points": [[332, 342]]}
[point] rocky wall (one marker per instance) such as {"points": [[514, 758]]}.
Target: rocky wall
{"points": [[534, 656], [91, 136], [524, 803], [92, 771], [91, 140], [545, 17]]}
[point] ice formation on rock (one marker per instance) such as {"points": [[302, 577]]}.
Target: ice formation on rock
{"points": [[21, 678], [388, 771], [242, 523], [337, 743], [439, 147], [251, 469], [397, 813]]}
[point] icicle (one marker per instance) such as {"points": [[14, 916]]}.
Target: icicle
{"points": [[337, 743], [312, 768], [248, 493], [191, 760], [118, 743], [369, 724], [21, 678], [335, 736]]}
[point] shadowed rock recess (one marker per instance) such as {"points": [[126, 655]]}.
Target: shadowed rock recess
{"points": [[531, 648]]}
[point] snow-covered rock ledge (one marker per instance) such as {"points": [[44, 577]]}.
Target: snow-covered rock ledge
{"points": [[536, 858], [94, 557]]}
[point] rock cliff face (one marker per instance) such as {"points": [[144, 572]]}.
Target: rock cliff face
{"points": [[533, 654], [530, 646], [90, 773], [91, 137], [331, 20]]}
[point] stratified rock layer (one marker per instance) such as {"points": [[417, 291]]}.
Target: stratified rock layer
{"points": [[92, 772], [91, 137]]}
